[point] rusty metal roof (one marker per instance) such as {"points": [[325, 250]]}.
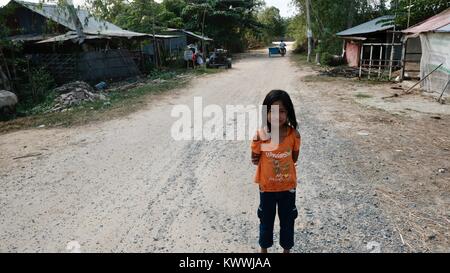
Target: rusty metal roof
{"points": [[438, 23]]}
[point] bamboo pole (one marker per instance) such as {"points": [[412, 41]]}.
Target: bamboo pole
{"points": [[407, 91]]}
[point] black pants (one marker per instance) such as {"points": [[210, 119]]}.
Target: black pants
{"points": [[287, 212]]}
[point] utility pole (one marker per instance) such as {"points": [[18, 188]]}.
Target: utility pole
{"points": [[203, 38], [308, 29], [155, 45], [409, 13]]}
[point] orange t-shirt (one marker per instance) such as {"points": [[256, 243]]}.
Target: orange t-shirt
{"points": [[276, 170]]}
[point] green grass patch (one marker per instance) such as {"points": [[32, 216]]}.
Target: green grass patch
{"points": [[301, 60], [363, 96]]}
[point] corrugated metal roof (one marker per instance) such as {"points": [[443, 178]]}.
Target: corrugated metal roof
{"points": [[90, 24], [187, 32], [439, 22], [197, 36], [30, 37], [71, 35], [375, 25]]}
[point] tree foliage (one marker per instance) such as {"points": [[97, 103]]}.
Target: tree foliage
{"points": [[329, 17], [417, 10], [227, 21], [274, 26]]}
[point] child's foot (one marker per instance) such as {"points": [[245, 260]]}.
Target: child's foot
{"points": [[286, 251], [263, 250]]}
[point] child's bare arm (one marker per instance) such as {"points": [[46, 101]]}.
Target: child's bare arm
{"points": [[256, 148], [296, 153], [255, 158]]}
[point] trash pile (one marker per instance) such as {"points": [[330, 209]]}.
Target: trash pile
{"points": [[74, 93]]}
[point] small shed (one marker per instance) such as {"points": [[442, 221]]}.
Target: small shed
{"points": [[185, 38], [374, 46], [434, 35], [73, 44]]}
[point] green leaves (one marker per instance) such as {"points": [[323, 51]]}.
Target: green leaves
{"points": [[418, 11], [329, 17], [274, 25]]}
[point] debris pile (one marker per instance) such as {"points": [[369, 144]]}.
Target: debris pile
{"points": [[76, 86], [74, 93], [341, 71]]}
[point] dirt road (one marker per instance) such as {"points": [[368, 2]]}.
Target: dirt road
{"points": [[126, 186]]}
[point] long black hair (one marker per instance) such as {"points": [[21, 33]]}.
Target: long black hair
{"points": [[283, 96]]}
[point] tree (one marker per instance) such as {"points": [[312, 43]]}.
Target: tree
{"points": [[296, 30], [174, 6], [108, 10], [329, 17], [227, 21], [230, 22], [274, 25], [417, 10], [5, 76]]}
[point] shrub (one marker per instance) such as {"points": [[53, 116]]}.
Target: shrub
{"points": [[331, 60]]}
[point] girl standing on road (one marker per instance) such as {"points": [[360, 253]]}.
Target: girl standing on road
{"points": [[276, 173]]}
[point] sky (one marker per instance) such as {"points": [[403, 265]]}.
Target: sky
{"points": [[284, 6]]}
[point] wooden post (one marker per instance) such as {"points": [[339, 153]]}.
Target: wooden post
{"points": [[170, 48], [370, 61], [379, 61], [403, 63], [361, 61], [391, 59], [392, 54]]}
